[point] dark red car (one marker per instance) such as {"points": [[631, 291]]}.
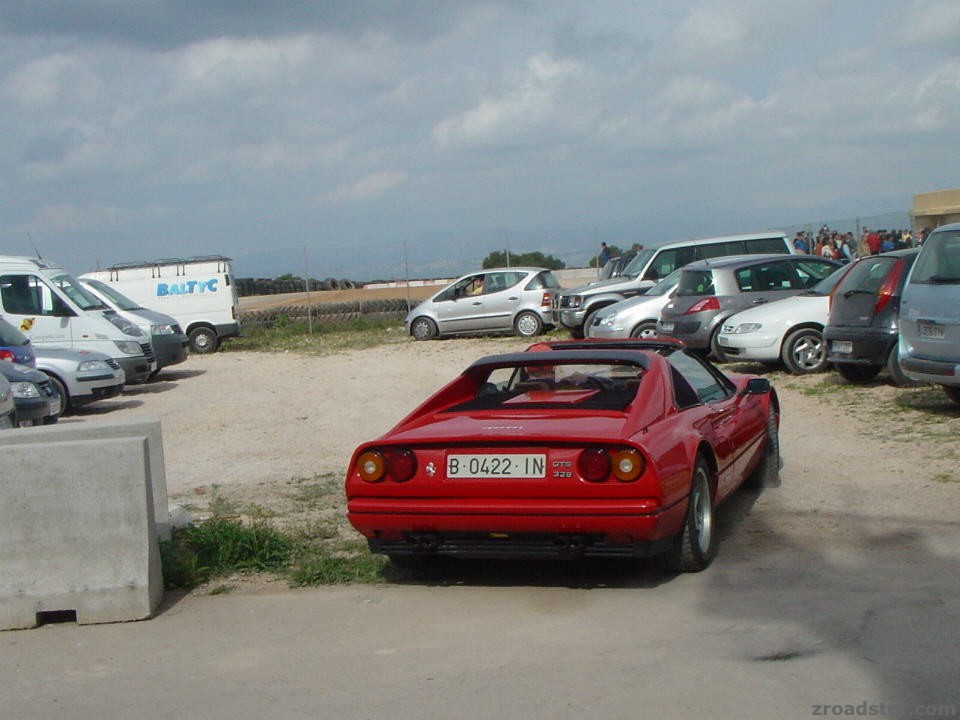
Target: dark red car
{"points": [[588, 448]]}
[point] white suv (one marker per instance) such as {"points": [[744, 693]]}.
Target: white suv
{"points": [[929, 348]]}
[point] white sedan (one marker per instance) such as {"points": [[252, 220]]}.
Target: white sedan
{"points": [[788, 330]]}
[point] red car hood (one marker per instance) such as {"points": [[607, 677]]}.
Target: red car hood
{"points": [[524, 427]]}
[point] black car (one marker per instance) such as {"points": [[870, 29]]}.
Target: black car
{"points": [[35, 399], [864, 324]]}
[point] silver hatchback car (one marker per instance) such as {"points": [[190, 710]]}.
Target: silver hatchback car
{"points": [[710, 291], [517, 299]]}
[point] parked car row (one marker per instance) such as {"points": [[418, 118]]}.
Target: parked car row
{"points": [[66, 343], [897, 311]]}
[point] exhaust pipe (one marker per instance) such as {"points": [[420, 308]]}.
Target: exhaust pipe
{"points": [[425, 542], [570, 545]]}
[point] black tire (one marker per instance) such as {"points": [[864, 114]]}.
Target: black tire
{"points": [[695, 546], [577, 333], [646, 329], [203, 341], [804, 351], [423, 328], [953, 392], [858, 373], [64, 399], [767, 473], [715, 350], [588, 323], [897, 376], [528, 324]]}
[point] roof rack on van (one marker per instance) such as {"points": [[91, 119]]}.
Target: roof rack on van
{"points": [[168, 261]]}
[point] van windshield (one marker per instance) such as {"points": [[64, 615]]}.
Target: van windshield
{"points": [[72, 289], [639, 262], [939, 261], [118, 298]]}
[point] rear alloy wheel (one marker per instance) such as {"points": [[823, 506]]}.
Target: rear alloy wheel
{"points": [[858, 373], [203, 341], [953, 392], [644, 330], [423, 329], [897, 376], [804, 351], [695, 546], [528, 324]]}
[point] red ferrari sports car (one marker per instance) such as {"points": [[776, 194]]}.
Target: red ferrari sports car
{"points": [[585, 448]]}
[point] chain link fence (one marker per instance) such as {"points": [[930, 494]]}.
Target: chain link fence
{"points": [[887, 221]]}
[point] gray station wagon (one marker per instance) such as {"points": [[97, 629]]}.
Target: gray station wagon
{"points": [[710, 291]]}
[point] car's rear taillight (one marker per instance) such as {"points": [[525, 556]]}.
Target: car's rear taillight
{"points": [[708, 303], [597, 464], [889, 287], [6, 355], [396, 465], [547, 300], [594, 464]]}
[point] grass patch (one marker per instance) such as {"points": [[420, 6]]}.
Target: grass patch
{"points": [[308, 555], [944, 477], [286, 335]]}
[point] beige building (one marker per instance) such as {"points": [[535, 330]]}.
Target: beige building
{"points": [[933, 209]]}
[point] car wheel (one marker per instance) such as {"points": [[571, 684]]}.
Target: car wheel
{"points": [[423, 329], [897, 376], [588, 322], [715, 346], [644, 330], [528, 324], [858, 373], [767, 473], [953, 392], [203, 341], [64, 399], [804, 351], [696, 545]]}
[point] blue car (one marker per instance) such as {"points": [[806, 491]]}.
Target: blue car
{"points": [[14, 345]]}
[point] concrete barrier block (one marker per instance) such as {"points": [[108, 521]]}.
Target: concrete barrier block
{"points": [[148, 428], [77, 531]]}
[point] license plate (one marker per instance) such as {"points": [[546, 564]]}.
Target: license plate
{"points": [[842, 346], [55, 405], [497, 466], [929, 330], [666, 327]]}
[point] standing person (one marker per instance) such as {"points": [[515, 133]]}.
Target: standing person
{"points": [[846, 252], [604, 255], [873, 242]]}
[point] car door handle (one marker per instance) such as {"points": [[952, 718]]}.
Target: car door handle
{"points": [[477, 303], [513, 297], [760, 301]]}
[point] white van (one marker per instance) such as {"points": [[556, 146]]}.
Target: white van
{"points": [[169, 342], [51, 308], [198, 292]]}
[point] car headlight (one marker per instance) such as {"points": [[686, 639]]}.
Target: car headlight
{"points": [[608, 320], [25, 390], [161, 329], [574, 302], [128, 347], [94, 366], [744, 328]]}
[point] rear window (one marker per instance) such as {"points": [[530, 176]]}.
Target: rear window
{"points": [[603, 386], [939, 261], [543, 281], [866, 276], [759, 246], [696, 282], [10, 336]]}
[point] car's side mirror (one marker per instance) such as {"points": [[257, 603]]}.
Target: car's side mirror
{"points": [[757, 386]]}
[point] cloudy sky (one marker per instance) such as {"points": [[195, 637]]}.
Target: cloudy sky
{"points": [[356, 135]]}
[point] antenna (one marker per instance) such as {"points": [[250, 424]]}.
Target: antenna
{"points": [[30, 238]]}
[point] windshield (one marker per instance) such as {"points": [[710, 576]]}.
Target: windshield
{"points": [[939, 261], [826, 286], [639, 262], [118, 298], [665, 286], [73, 290]]}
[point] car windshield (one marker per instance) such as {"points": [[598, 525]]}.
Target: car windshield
{"points": [[73, 290], [541, 385], [826, 286], [10, 336], [639, 262], [118, 298], [939, 261]]}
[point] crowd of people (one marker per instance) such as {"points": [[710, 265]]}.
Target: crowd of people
{"points": [[844, 247]]}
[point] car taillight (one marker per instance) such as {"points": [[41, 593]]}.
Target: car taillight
{"points": [[709, 303], [889, 287], [401, 465], [6, 355], [594, 464], [547, 300], [372, 466], [628, 465]]}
